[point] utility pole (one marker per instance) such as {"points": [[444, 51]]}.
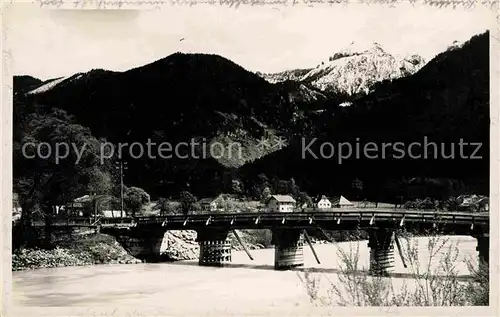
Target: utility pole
{"points": [[122, 166], [121, 186]]}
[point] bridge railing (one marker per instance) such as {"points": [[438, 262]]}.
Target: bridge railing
{"points": [[307, 215], [67, 221], [320, 216], [116, 220]]}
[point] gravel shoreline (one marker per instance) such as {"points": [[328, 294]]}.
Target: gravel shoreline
{"points": [[79, 251], [95, 248]]}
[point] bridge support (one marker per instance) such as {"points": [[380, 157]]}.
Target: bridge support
{"points": [[215, 248], [483, 247], [381, 244], [289, 248], [140, 243]]}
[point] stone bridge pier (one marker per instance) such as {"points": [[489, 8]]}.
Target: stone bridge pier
{"points": [[289, 248], [381, 244], [142, 243], [215, 248], [483, 248]]}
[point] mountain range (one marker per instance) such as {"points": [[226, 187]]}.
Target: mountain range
{"points": [[353, 70], [203, 96], [445, 101]]}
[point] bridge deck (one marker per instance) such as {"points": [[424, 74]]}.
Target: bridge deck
{"points": [[340, 219]]}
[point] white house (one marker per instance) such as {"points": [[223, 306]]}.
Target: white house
{"points": [[323, 203], [281, 203]]}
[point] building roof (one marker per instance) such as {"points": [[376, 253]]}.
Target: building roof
{"points": [[323, 197], [484, 200], [283, 198], [85, 198], [227, 196], [342, 201], [468, 200]]}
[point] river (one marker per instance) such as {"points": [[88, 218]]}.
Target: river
{"points": [[188, 288]]}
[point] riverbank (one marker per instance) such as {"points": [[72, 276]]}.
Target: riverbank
{"points": [[90, 248]]}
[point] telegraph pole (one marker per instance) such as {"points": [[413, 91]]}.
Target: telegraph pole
{"points": [[121, 186], [122, 166]]}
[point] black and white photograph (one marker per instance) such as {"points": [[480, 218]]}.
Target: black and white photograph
{"points": [[249, 158]]}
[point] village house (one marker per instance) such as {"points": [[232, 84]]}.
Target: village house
{"points": [[208, 204], [281, 203], [323, 203], [473, 203], [215, 204], [81, 207], [110, 213]]}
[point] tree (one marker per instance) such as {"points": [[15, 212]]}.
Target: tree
{"points": [[266, 192], [42, 183], [237, 187], [259, 187], [196, 208], [255, 192], [280, 187], [165, 207], [187, 202], [303, 198], [135, 198], [357, 186], [294, 189], [162, 205], [228, 205], [263, 180]]}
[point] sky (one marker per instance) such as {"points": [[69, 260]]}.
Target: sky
{"points": [[52, 43]]}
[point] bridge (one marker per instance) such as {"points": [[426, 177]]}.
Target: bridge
{"points": [[142, 236]]}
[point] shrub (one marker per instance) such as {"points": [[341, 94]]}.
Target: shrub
{"points": [[429, 285]]}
